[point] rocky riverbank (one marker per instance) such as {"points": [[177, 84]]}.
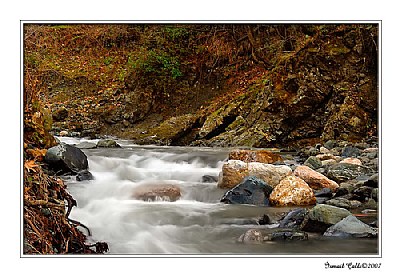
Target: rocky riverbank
{"points": [[334, 189]]}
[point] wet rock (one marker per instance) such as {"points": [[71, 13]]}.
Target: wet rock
{"points": [[343, 171], [352, 160], [209, 178], [350, 151], [322, 216], [153, 192], [84, 175], [313, 162], [261, 156], [234, 171], [65, 158], [86, 145], [351, 227], [293, 219], [315, 179], [107, 143], [251, 190], [292, 191], [279, 234]]}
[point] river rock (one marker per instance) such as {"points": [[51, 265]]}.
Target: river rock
{"points": [[352, 160], [350, 151], [344, 171], [292, 191], [315, 179], [153, 192], [322, 216], [350, 226], [86, 145], [234, 171], [251, 190], [252, 236], [330, 144], [261, 156], [84, 175], [293, 219], [258, 236], [65, 158], [340, 202], [313, 162], [107, 143]]}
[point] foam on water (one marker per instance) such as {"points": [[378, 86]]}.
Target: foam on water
{"points": [[197, 223]]}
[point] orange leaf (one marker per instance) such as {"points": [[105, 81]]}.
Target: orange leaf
{"points": [[30, 165]]}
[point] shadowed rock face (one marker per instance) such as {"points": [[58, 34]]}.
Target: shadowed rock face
{"points": [[251, 190]]}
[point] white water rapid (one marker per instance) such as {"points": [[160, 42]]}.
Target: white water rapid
{"points": [[197, 223]]}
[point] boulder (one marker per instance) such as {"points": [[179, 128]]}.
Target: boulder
{"points": [[234, 171], [261, 156], [153, 192], [252, 236], [322, 216], [107, 143], [351, 226], [315, 179], [292, 191], [84, 175], [251, 190], [65, 158]]}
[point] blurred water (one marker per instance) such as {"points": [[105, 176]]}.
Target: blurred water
{"points": [[197, 223]]}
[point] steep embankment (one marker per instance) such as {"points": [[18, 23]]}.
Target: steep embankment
{"points": [[213, 85]]}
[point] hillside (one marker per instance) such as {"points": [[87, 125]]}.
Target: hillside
{"points": [[213, 85]]}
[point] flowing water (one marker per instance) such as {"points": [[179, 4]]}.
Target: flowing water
{"points": [[197, 223]]}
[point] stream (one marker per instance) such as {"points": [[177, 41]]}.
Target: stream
{"points": [[197, 223]]}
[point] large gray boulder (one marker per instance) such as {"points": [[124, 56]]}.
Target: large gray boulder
{"points": [[65, 158], [351, 227], [322, 216]]}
